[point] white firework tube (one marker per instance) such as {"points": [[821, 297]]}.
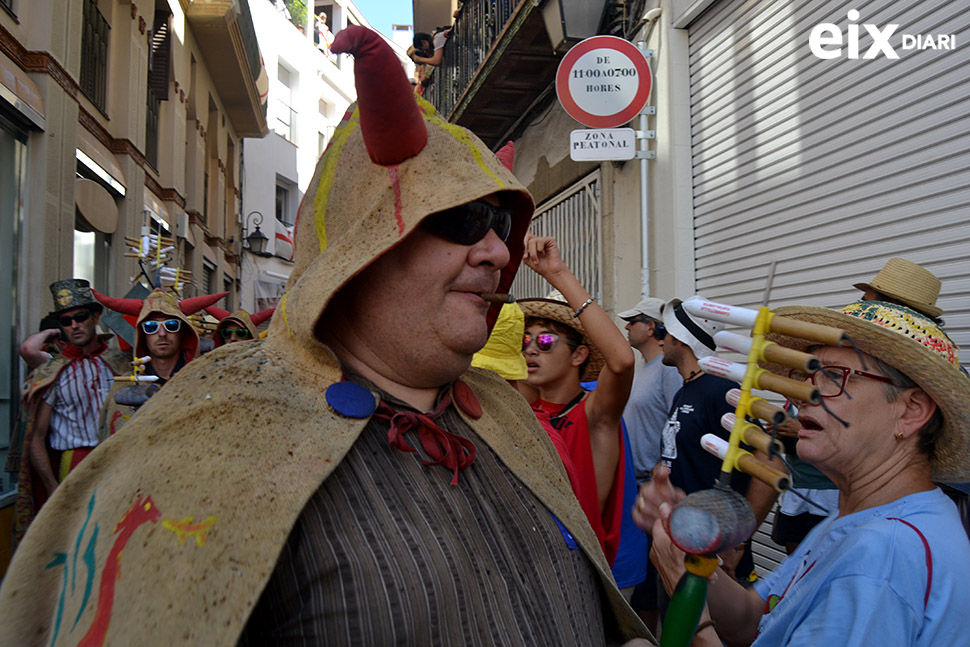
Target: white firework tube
{"points": [[136, 378], [723, 368], [715, 445], [722, 312], [727, 421], [733, 397], [733, 342]]}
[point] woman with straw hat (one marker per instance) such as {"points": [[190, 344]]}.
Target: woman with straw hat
{"points": [[567, 341], [890, 566]]}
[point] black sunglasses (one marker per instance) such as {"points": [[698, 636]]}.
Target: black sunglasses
{"points": [[659, 331], [67, 320], [151, 327], [469, 223]]}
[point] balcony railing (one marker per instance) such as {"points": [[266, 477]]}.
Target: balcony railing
{"points": [[477, 27], [481, 23], [286, 121]]}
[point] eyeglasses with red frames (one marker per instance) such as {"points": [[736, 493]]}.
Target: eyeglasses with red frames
{"points": [[832, 384], [545, 341]]}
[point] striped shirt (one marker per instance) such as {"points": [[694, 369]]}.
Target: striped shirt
{"points": [[388, 552], [76, 397]]}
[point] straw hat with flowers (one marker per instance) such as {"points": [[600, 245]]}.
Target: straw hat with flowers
{"points": [[915, 345]]}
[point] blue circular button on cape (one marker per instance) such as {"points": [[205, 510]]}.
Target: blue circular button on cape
{"points": [[351, 400]]}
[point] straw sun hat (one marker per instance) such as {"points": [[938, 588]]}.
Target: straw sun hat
{"points": [[559, 311], [908, 283], [913, 344]]}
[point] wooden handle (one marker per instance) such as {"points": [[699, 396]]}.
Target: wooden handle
{"points": [[763, 409], [789, 388], [762, 441], [792, 358], [815, 332], [764, 473]]}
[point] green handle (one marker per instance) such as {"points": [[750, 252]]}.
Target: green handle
{"points": [[684, 612]]}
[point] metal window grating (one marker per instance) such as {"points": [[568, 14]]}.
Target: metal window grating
{"points": [[573, 218]]}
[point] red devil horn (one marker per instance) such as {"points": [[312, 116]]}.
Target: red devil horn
{"points": [[506, 155], [217, 312], [124, 306], [262, 316], [193, 304], [390, 121]]}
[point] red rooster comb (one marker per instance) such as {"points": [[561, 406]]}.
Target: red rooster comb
{"points": [[390, 122]]}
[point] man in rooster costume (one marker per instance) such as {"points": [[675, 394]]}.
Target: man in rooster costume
{"points": [[164, 334], [349, 480]]}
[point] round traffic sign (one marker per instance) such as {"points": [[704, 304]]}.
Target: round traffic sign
{"points": [[603, 82]]}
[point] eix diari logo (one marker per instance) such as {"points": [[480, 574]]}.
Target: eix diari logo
{"points": [[826, 40]]}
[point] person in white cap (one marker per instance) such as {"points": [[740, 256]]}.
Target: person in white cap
{"points": [[652, 394], [654, 384], [696, 411]]}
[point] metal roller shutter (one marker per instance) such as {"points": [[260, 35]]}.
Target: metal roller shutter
{"points": [[832, 166]]}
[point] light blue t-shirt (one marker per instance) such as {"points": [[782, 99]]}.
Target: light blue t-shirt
{"points": [[897, 574], [652, 393]]}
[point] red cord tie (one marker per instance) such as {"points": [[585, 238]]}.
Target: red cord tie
{"points": [[444, 447]]}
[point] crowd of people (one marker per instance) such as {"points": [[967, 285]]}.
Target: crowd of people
{"points": [[411, 457]]}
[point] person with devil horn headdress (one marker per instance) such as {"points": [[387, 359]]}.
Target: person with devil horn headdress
{"points": [[238, 325], [349, 480], [164, 334]]}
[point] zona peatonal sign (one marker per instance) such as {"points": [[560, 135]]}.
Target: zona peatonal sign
{"points": [[602, 145], [603, 82]]}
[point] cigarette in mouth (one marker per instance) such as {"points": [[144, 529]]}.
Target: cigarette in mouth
{"points": [[498, 297]]}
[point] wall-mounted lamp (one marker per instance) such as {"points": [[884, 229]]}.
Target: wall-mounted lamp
{"points": [[570, 21], [256, 240]]}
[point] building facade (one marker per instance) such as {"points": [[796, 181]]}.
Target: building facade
{"points": [[309, 90], [117, 118]]}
